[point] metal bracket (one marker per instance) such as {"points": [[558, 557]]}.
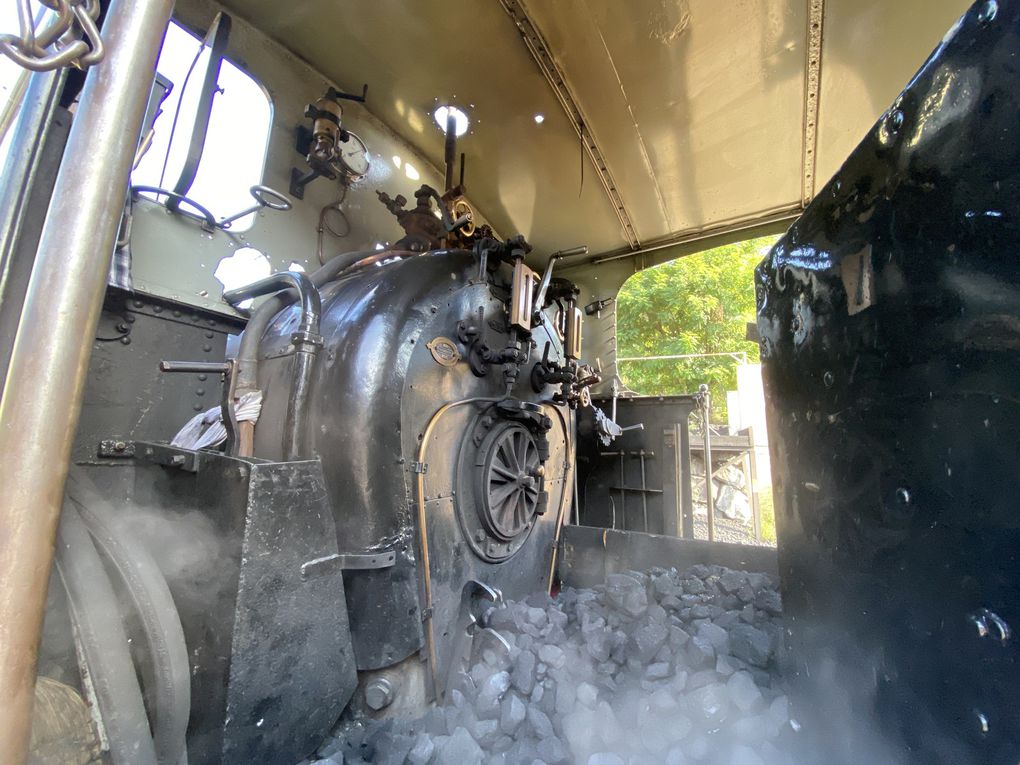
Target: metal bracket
{"points": [[168, 456], [116, 448], [347, 562], [420, 467]]}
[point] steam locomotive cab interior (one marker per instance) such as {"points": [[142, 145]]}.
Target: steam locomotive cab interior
{"points": [[354, 377]]}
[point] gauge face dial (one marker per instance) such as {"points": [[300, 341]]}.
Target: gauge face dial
{"points": [[354, 157]]}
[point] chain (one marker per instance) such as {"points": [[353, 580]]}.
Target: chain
{"points": [[69, 38]]}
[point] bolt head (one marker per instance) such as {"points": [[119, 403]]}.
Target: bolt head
{"points": [[379, 694]]}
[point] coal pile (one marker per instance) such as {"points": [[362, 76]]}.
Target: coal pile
{"points": [[650, 668]]}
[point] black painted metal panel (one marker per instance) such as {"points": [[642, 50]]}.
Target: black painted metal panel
{"points": [[610, 488], [293, 668], [590, 554], [272, 661], [890, 328], [127, 398]]}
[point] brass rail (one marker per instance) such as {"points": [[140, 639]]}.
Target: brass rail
{"points": [[423, 538]]}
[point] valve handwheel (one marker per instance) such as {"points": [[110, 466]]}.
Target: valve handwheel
{"points": [[270, 198]]}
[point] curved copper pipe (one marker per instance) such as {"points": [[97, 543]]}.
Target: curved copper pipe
{"points": [[423, 540]]}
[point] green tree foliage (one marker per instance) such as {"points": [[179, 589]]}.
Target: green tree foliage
{"points": [[694, 305]]}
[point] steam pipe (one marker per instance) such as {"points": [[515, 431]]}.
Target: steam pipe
{"points": [[247, 353], [42, 395], [450, 147], [311, 302], [307, 342], [297, 404]]}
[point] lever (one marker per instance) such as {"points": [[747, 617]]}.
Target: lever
{"points": [[543, 287], [228, 369]]}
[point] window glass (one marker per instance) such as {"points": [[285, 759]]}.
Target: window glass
{"points": [[235, 145]]}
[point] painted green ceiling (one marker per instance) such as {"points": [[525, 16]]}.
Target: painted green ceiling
{"points": [[697, 106]]}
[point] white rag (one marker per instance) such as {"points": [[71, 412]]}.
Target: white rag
{"points": [[206, 429]]}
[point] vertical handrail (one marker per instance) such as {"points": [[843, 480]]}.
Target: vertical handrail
{"points": [[706, 404], [752, 480], [25, 186], [42, 395]]}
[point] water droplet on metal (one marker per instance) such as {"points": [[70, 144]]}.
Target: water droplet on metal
{"points": [[982, 722], [891, 125], [990, 624], [988, 11], [903, 496]]}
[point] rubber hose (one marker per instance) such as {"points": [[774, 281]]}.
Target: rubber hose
{"points": [[152, 601], [104, 645], [247, 352]]}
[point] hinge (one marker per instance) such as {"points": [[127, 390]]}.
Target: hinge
{"points": [[420, 467]]}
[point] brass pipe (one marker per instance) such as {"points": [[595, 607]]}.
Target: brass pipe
{"points": [[423, 539], [45, 383], [570, 467], [423, 535]]}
